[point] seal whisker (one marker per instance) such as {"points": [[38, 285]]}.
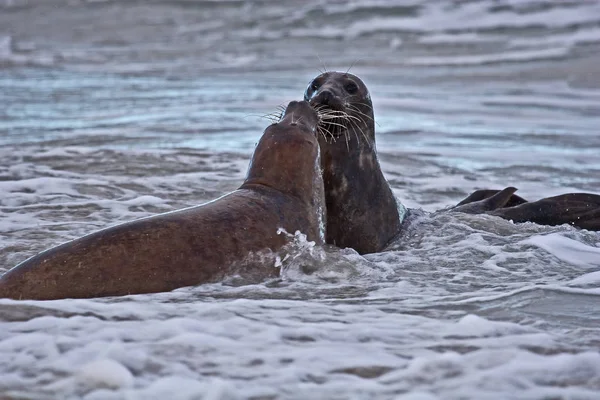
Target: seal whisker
{"points": [[321, 131], [327, 135], [362, 132], [356, 134], [328, 118], [273, 117], [352, 65], [322, 64], [337, 124], [334, 121], [274, 113], [293, 122], [327, 113], [357, 110], [369, 106], [352, 117], [322, 126], [347, 140], [340, 114], [341, 119]]}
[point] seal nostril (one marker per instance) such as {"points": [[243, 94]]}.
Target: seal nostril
{"points": [[324, 98]]}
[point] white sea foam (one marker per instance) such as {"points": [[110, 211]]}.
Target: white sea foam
{"points": [[568, 250], [105, 373], [590, 279]]}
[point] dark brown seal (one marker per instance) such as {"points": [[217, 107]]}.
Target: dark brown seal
{"points": [[581, 210], [362, 212], [283, 189]]}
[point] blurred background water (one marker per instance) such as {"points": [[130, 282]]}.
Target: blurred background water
{"points": [[114, 110]]}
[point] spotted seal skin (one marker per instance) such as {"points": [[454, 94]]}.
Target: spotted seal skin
{"points": [[283, 189], [362, 212]]}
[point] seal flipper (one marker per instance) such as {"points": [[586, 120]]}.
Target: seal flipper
{"points": [[483, 194], [493, 202], [578, 209]]}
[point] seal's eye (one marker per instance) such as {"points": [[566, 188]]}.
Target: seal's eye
{"points": [[311, 90], [351, 88], [306, 95]]}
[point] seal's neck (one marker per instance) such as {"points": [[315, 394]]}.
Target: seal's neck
{"points": [[362, 210], [285, 161]]}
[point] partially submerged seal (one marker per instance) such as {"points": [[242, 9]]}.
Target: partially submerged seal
{"points": [[581, 210], [362, 212], [283, 189]]}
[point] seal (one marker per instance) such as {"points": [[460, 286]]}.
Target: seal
{"points": [[581, 210], [283, 189], [362, 212], [483, 201], [510, 200]]}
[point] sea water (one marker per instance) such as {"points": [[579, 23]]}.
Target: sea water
{"points": [[116, 110]]}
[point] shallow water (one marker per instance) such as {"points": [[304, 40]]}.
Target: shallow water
{"points": [[114, 110]]}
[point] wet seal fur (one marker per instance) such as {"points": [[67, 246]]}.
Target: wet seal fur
{"points": [[362, 212], [283, 189], [581, 210]]}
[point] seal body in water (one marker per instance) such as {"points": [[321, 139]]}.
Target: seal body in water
{"points": [[283, 189], [362, 212], [581, 210]]}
